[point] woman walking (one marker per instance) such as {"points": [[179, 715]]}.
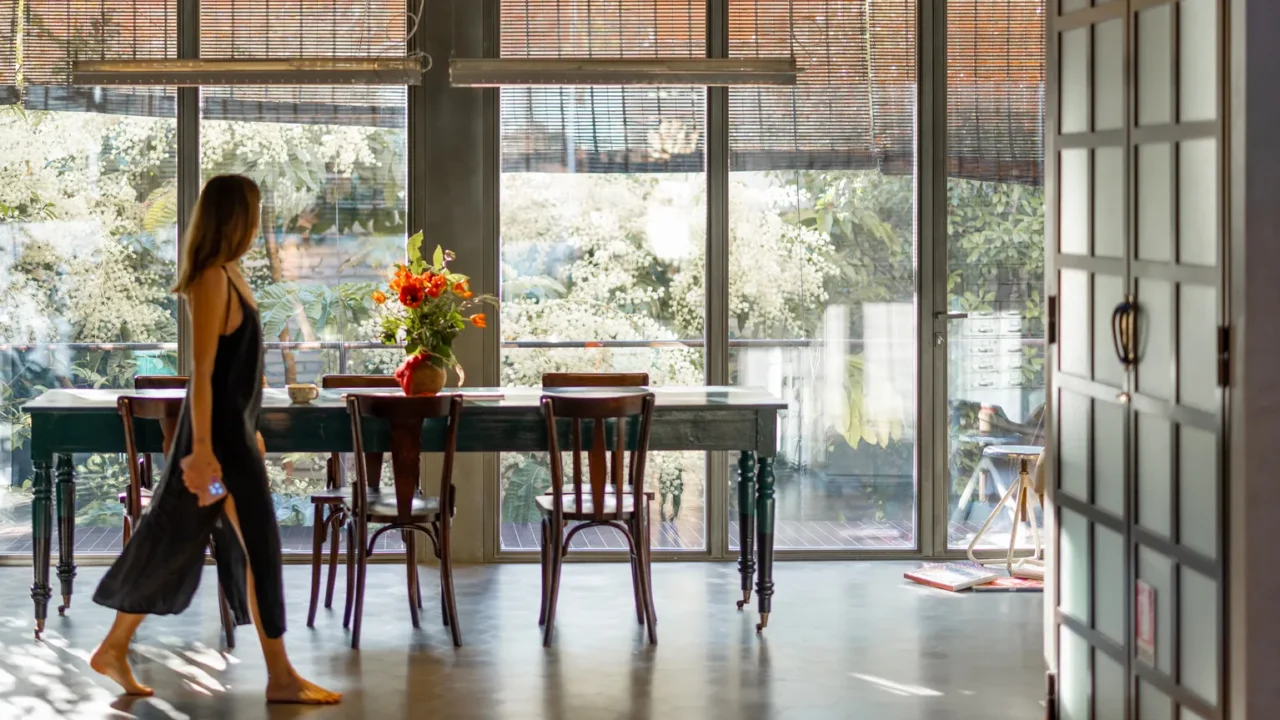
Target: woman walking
{"points": [[220, 486]]}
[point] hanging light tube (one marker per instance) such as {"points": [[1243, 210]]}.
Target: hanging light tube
{"points": [[288, 71], [517, 72]]}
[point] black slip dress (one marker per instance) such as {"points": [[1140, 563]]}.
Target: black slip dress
{"points": [[159, 570]]}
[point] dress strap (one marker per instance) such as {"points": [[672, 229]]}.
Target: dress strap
{"points": [[231, 290]]}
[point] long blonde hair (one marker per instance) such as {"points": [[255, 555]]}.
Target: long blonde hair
{"points": [[222, 229]]}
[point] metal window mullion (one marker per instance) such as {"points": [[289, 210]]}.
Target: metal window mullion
{"points": [[931, 237], [188, 132], [716, 281]]}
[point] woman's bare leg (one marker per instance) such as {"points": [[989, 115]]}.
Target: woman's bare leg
{"points": [[112, 656], [284, 685]]}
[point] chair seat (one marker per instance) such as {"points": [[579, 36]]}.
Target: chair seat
{"points": [[331, 496], [546, 503], [383, 509]]}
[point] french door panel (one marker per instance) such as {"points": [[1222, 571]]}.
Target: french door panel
{"points": [[1136, 384]]}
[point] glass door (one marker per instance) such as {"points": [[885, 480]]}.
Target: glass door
{"points": [[991, 310]]}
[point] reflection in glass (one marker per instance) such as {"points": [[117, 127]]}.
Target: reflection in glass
{"points": [[332, 167], [822, 314], [87, 253]]}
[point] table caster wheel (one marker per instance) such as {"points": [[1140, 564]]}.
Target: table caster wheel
{"points": [[764, 623], [746, 599]]}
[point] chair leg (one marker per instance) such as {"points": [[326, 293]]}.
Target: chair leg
{"points": [[411, 577], [362, 551], [546, 573], [334, 525], [637, 590], [317, 548], [444, 599], [128, 529], [553, 593], [446, 577], [351, 573], [646, 575]]}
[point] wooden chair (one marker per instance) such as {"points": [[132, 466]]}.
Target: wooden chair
{"points": [[404, 509], [624, 507], [167, 412], [331, 504]]}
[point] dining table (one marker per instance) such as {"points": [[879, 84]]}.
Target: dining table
{"points": [[742, 420]]}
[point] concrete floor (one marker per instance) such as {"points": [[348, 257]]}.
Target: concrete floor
{"points": [[846, 640]]}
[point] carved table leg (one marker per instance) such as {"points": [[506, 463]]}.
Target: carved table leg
{"points": [[42, 530], [746, 529], [764, 536], [66, 472]]}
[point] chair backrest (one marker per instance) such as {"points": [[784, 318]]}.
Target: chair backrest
{"points": [[160, 382], [406, 417], [356, 382], [631, 416], [166, 411], [566, 380]]}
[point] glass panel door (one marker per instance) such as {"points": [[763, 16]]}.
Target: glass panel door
{"points": [[991, 320]]}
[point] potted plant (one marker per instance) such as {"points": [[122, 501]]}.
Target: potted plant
{"points": [[427, 306]]}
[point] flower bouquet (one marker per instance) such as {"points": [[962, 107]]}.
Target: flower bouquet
{"points": [[425, 310]]}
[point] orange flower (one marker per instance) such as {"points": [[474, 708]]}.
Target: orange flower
{"points": [[436, 285], [478, 320], [462, 290], [379, 297], [412, 294], [402, 276]]}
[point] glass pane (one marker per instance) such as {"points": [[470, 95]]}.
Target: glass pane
{"points": [[332, 166], [995, 248], [1108, 75], [1155, 66], [1152, 703], [1075, 572], [1198, 202], [1198, 346], [1073, 656], [1198, 60], [1198, 490], [1155, 338], [602, 266], [1110, 192], [1157, 571], [1075, 88], [1109, 580], [822, 260], [1155, 200], [87, 255], [1109, 683], [1073, 234], [1109, 471], [1198, 634], [1155, 473]]}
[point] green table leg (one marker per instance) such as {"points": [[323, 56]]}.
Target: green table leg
{"points": [[66, 489], [764, 536], [42, 531], [746, 528]]}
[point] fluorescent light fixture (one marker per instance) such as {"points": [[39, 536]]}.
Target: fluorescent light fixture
{"points": [[515, 72], [289, 71]]}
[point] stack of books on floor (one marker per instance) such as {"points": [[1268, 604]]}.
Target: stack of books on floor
{"points": [[965, 575]]}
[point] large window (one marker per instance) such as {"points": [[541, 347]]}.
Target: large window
{"points": [[333, 179], [822, 259], [603, 233], [87, 240]]}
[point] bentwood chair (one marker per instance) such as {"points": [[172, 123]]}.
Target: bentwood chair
{"points": [[165, 411], [405, 508], [331, 504], [624, 506]]}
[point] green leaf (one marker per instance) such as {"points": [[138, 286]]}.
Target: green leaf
{"points": [[413, 250], [437, 260]]}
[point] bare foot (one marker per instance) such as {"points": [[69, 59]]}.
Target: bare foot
{"points": [[293, 689], [115, 665]]}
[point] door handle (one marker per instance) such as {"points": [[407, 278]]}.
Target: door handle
{"points": [[1122, 331], [950, 315]]}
